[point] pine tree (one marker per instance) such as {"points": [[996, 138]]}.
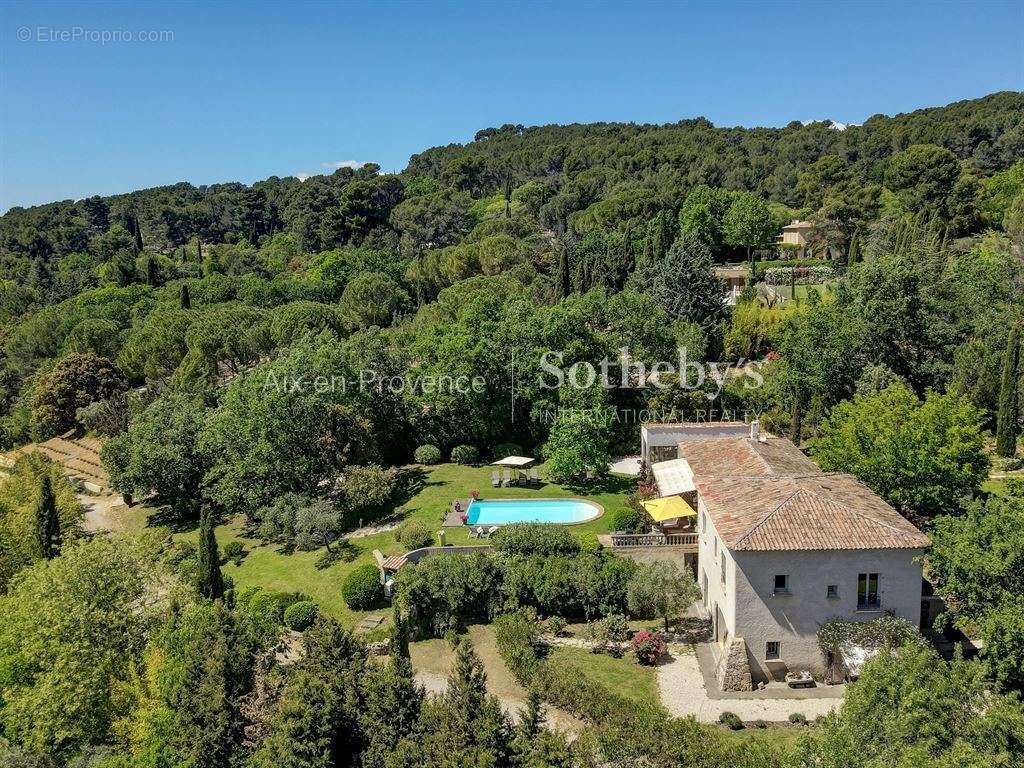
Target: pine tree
{"points": [[1006, 418], [47, 521], [185, 297], [211, 582]]}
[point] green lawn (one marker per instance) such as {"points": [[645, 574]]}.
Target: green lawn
{"points": [[268, 567], [802, 290], [777, 738], [624, 676]]}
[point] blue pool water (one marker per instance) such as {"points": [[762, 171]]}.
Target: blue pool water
{"points": [[505, 511]]}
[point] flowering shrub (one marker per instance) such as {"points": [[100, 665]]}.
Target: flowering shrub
{"points": [[475, 494], [648, 647]]}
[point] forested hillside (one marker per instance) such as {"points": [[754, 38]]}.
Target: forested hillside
{"points": [[271, 357], [540, 214]]}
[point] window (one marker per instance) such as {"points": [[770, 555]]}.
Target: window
{"points": [[832, 591], [772, 649], [716, 546], [867, 590], [781, 584], [723, 570]]}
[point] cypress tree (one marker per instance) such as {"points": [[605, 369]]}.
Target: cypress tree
{"points": [[211, 582], [508, 195], [400, 637], [47, 522], [199, 250], [152, 272], [138, 235], [1006, 418], [563, 271], [854, 251], [531, 716], [796, 419], [185, 297]]}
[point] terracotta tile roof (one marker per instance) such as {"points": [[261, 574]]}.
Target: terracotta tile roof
{"points": [[731, 456], [820, 511]]}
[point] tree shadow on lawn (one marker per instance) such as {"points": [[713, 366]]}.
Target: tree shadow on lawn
{"points": [[611, 485], [164, 516]]}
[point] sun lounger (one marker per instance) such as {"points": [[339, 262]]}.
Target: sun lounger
{"points": [[507, 477], [495, 480], [534, 477], [476, 533], [491, 531]]}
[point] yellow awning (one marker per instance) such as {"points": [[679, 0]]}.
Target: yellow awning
{"points": [[668, 508]]}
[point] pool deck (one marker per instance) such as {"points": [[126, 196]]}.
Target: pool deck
{"points": [[454, 519]]}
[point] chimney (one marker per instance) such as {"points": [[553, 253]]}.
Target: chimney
{"points": [[755, 429]]}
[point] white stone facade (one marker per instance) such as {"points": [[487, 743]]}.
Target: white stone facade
{"points": [[745, 604]]}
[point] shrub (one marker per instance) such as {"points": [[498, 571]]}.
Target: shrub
{"points": [[301, 615], [798, 718], [760, 724], [233, 552], [427, 454], [732, 720], [516, 636], [648, 647], [362, 589], [415, 534], [555, 625], [445, 592], [501, 450], [562, 684], [269, 605], [616, 628], [626, 519], [465, 454], [535, 539]]}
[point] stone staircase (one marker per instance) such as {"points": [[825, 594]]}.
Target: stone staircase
{"points": [[79, 457]]}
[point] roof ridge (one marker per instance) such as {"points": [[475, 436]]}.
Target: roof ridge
{"points": [[823, 500], [870, 515], [766, 516]]}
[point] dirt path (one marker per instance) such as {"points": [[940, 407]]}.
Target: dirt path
{"points": [[103, 513], [433, 660]]}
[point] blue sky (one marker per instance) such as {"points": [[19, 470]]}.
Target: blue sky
{"points": [[242, 92]]}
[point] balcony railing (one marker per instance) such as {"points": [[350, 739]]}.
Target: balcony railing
{"points": [[654, 540]]}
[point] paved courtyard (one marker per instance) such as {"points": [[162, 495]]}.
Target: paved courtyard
{"points": [[684, 692]]}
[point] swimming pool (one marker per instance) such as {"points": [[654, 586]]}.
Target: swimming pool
{"points": [[505, 511]]}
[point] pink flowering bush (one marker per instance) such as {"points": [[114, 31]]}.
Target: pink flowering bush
{"points": [[648, 647]]}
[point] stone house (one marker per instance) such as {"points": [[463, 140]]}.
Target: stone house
{"points": [[783, 547]]}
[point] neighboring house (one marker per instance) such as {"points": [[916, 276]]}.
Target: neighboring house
{"points": [[660, 442], [783, 547], [796, 234], [734, 279]]}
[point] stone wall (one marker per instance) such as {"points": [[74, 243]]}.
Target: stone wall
{"points": [[733, 670]]}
